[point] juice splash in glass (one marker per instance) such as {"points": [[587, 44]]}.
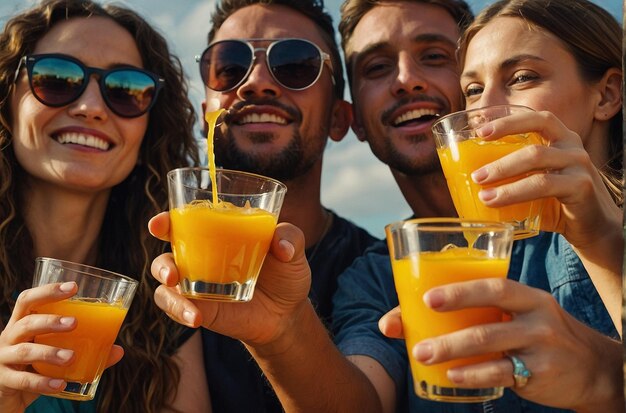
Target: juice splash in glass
{"points": [[222, 223], [461, 152], [426, 253], [99, 306]]}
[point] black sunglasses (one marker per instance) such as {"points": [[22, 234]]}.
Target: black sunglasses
{"points": [[58, 80], [295, 64]]}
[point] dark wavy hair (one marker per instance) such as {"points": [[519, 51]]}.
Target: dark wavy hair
{"points": [[591, 34], [146, 379], [313, 9]]}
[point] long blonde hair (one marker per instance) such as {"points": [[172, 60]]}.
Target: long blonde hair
{"points": [[146, 379]]}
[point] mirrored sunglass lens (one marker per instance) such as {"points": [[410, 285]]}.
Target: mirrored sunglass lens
{"points": [[295, 64], [225, 64], [129, 92], [56, 81]]}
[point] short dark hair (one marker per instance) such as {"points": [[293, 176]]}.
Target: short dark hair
{"points": [[313, 9]]}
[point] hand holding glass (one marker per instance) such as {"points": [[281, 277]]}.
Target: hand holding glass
{"points": [[99, 306], [426, 253], [461, 152], [219, 247]]}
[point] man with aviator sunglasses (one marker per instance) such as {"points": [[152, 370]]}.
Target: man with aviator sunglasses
{"points": [[276, 67]]}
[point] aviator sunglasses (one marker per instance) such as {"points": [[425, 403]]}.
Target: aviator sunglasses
{"points": [[58, 80], [295, 64]]}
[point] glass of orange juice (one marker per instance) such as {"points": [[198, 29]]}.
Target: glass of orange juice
{"points": [[427, 253], [99, 306], [461, 152], [221, 229]]}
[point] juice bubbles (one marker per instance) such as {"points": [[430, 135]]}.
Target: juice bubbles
{"points": [[460, 158], [418, 273], [222, 245], [97, 327]]}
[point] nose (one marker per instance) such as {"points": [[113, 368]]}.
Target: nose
{"points": [[260, 82], [91, 104], [410, 78]]}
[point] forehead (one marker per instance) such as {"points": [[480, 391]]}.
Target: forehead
{"points": [[394, 24], [97, 41], [507, 37], [269, 21]]}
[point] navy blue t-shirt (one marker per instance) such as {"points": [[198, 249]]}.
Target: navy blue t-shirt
{"points": [[236, 383]]}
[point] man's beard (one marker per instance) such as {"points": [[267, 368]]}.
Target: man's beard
{"points": [[410, 166], [285, 165]]}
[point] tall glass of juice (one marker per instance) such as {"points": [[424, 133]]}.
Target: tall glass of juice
{"points": [[221, 229], [99, 306], [461, 152], [427, 253]]}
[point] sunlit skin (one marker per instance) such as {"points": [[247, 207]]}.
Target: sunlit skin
{"points": [[299, 114], [509, 62], [402, 58], [70, 166]]}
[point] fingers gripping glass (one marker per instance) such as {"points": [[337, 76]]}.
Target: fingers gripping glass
{"points": [[295, 64], [58, 80]]}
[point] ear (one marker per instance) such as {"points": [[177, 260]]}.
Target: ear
{"points": [[357, 127], [341, 119], [610, 88]]}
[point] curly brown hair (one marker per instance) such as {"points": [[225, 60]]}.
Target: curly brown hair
{"points": [[146, 379], [591, 34]]}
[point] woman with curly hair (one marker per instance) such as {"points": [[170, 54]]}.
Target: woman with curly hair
{"points": [[82, 168]]}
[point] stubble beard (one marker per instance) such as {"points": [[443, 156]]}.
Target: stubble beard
{"points": [[420, 166]]}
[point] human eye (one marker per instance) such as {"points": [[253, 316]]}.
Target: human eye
{"points": [[376, 68], [472, 89], [522, 77], [437, 56]]}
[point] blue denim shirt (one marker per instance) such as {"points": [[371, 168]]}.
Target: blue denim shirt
{"points": [[366, 292]]}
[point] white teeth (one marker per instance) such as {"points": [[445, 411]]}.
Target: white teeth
{"points": [[262, 118], [83, 140], [414, 114]]}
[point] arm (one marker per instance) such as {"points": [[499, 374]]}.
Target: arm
{"points": [[279, 327], [585, 212], [193, 391]]}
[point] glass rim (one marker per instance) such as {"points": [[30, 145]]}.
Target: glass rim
{"points": [[449, 116], [449, 225], [278, 183], [89, 270]]}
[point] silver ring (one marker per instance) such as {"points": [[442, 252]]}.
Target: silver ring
{"points": [[521, 374]]}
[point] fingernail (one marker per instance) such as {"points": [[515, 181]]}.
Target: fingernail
{"points": [[188, 316], [434, 298], [484, 131], [55, 383], [164, 272], [423, 351], [479, 175], [487, 195], [66, 321], [67, 287], [65, 354], [291, 250], [456, 376]]}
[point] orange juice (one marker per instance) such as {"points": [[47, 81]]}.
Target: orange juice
{"points": [[97, 327], [460, 159], [417, 273], [220, 245]]}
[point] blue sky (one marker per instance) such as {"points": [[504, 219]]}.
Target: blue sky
{"points": [[354, 183]]}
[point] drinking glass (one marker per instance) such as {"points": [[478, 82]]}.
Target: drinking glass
{"points": [[99, 306], [427, 253]]}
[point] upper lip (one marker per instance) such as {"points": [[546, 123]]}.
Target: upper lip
{"points": [[260, 114], [412, 111], [83, 136]]}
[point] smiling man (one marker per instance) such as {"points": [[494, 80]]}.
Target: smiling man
{"points": [[276, 67]]}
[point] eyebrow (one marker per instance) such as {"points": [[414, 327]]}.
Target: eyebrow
{"points": [[428, 38], [506, 64]]}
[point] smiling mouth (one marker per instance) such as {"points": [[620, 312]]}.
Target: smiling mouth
{"points": [[415, 116], [261, 118], [88, 141]]}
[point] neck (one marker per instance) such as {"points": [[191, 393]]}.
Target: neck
{"points": [[302, 206], [427, 195], [64, 224]]}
